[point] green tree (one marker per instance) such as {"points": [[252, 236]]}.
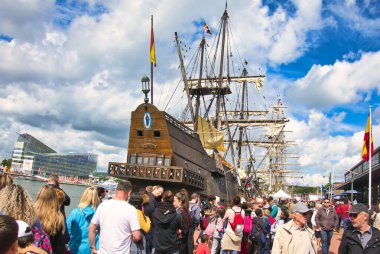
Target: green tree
{"points": [[6, 163]]}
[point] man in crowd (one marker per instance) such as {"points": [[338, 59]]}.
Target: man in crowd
{"points": [[8, 235], [258, 230], [326, 220], [118, 221], [361, 237], [344, 211], [154, 198], [54, 181], [195, 209], [295, 237]]}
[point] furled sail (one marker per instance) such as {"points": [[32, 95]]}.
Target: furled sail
{"points": [[210, 137]]}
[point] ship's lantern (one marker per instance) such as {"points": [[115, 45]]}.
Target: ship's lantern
{"points": [[145, 87]]}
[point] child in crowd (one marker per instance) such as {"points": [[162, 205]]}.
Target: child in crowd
{"points": [[203, 247], [26, 239]]}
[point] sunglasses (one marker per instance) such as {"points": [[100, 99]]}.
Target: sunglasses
{"points": [[352, 215], [326, 202]]}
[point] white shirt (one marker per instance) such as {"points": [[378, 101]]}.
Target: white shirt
{"points": [[117, 220]]}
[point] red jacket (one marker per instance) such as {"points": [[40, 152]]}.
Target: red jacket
{"points": [[202, 249], [344, 209]]}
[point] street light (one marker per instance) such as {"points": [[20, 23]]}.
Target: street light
{"points": [[145, 88], [352, 183]]}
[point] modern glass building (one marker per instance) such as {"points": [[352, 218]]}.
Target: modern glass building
{"points": [[31, 156]]}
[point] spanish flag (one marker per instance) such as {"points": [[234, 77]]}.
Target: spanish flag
{"points": [[152, 49], [366, 145]]}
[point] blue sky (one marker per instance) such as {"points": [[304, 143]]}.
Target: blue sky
{"points": [[70, 70]]}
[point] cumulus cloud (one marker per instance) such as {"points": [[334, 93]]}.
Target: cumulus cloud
{"points": [[339, 84]]}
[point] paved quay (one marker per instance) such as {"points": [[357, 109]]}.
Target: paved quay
{"points": [[335, 242]]}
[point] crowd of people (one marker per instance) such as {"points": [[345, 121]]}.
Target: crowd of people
{"points": [[154, 220]]}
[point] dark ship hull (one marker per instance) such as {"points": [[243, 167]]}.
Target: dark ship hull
{"points": [[163, 151]]}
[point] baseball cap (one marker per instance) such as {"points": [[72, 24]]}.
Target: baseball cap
{"points": [[358, 208], [23, 229], [300, 208]]}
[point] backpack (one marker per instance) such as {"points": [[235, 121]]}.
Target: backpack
{"points": [[204, 222], [238, 220], [256, 229], [247, 224], [210, 229]]}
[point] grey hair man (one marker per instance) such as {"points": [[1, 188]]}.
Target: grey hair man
{"points": [[295, 237], [361, 237]]}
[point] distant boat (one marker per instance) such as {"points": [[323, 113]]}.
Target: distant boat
{"points": [[108, 185]]}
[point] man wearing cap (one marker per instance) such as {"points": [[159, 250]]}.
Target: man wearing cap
{"points": [[295, 237], [326, 220], [361, 237]]}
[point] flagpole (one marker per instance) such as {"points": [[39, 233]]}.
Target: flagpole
{"points": [[151, 68], [370, 160]]}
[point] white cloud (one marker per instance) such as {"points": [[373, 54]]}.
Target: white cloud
{"points": [[353, 15], [340, 84]]}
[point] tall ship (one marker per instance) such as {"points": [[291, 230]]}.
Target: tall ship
{"points": [[210, 148]]}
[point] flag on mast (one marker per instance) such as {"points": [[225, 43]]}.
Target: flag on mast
{"points": [[152, 48], [366, 145], [206, 28]]}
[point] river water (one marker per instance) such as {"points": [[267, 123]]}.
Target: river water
{"points": [[74, 191]]}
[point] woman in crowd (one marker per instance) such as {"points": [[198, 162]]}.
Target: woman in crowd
{"points": [[16, 202], [144, 246], [317, 231], [79, 221], [219, 229], [166, 223], [231, 241], [52, 220], [179, 203], [5, 180]]}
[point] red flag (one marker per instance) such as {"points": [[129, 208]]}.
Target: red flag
{"points": [[206, 28], [366, 145]]}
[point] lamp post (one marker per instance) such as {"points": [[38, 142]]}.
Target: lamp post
{"points": [[352, 184], [145, 88]]}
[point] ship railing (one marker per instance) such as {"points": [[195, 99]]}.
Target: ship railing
{"points": [[179, 125], [157, 173]]}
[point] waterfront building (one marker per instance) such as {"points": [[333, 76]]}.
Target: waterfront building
{"points": [[31, 156], [357, 179]]}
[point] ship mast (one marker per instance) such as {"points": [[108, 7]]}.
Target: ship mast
{"points": [[220, 80], [184, 78], [198, 95], [241, 129]]}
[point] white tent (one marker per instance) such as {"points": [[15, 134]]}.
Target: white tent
{"points": [[281, 194]]}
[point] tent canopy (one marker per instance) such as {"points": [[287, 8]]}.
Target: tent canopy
{"points": [[350, 191], [281, 194]]}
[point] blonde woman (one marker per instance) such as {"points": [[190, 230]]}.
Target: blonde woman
{"points": [[5, 180], [79, 220], [52, 220], [16, 202]]}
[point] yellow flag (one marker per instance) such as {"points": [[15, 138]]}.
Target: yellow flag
{"points": [[152, 49]]}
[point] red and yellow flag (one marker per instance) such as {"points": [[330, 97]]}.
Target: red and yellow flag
{"points": [[152, 49], [366, 145]]}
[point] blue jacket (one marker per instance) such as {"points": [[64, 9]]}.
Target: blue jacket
{"points": [[77, 227]]}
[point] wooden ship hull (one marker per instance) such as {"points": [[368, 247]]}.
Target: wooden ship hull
{"points": [[163, 151]]}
